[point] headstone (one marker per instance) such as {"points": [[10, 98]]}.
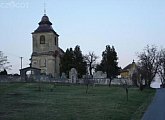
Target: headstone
{"points": [[99, 74], [63, 76], [73, 75]]}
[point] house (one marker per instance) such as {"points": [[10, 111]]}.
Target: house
{"points": [[128, 71]]}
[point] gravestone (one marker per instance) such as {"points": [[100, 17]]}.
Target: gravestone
{"points": [[63, 76], [73, 75], [99, 74]]}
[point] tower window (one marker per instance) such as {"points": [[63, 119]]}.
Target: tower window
{"points": [[42, 39], [55, 40]]}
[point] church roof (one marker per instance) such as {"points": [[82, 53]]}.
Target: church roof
{"points": [[45, 25], [129, 66]]}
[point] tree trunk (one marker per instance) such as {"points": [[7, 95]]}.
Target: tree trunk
{"points": [[110, 80], [90, 69], [126, 90], [87, 88], [149, 83], [141, 86]]}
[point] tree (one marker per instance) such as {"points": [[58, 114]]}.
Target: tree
{"points": [[79, 62], [4, 64], [67, 61], [161, 68], [149, 63], [73, 59], [91, 58], [109, 63], [4, 72], [137, 77]]}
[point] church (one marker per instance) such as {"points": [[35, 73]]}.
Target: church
{"points": [[46, 52]]}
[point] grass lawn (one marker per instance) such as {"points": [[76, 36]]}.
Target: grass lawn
{"points": [[23, 101]]}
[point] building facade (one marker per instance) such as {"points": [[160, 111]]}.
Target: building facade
{"points": [[45, 49], [128, 71]]}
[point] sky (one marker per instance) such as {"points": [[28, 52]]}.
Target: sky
{"points": [[128, 25]]}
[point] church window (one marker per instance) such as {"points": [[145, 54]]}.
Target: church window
{"points": [[42, 39]]}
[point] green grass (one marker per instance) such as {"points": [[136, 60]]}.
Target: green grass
{"points": [[23, 101]]}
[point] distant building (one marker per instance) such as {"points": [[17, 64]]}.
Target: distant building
{"points": [[128, 71], [46, 52]]}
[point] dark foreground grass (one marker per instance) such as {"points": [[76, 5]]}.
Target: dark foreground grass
{"points": [[23, 101]]}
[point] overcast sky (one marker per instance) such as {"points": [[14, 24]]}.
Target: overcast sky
{"points": [[128, 25]]}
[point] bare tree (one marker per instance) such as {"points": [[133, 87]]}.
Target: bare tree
{"points": [[148, 63], [161, 70], [139, 77], [4, 64], [125, 86], [91, 58]]}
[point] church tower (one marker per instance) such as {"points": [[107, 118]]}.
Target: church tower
{"points": [[46, 52]]}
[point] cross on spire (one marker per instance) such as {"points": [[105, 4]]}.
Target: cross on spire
{"points": [[44, 8]]}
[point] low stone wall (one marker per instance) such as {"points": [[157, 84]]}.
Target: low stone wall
{"points": [[121, 81], [105, 81], [10, 78], [44, 78]]}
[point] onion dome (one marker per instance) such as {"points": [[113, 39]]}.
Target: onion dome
{"points": [[44, 25]]}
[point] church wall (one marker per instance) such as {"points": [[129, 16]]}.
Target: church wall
{"points": [[49, 42], [47, 63], [57, 66]]}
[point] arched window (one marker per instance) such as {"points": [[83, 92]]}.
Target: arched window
{"points": [[42, 39], [55, 40]]}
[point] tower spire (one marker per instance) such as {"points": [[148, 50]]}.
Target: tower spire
{"points": [[44, 8]]}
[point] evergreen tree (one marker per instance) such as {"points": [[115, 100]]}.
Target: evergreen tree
{"points": [[109, 63], [4, 72], [67, 61], [79, 62], [73, 59]]}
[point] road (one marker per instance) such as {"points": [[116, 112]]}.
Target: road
{"points": [[156, 110]]}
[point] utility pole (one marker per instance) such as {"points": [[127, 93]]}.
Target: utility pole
{"points": [[21, 61]]}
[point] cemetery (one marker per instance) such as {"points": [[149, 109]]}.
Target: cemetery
{"points": [[32, 95], [34, 76], [67, 85]]}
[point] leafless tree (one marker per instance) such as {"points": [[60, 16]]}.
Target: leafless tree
{"points": [[4, 64], [161, 70], [148, 63], [139, 77], [88, 81], [124, 83], [91, 58]]}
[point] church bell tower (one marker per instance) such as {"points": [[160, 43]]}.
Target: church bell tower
{"points": [[45, 50]]}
